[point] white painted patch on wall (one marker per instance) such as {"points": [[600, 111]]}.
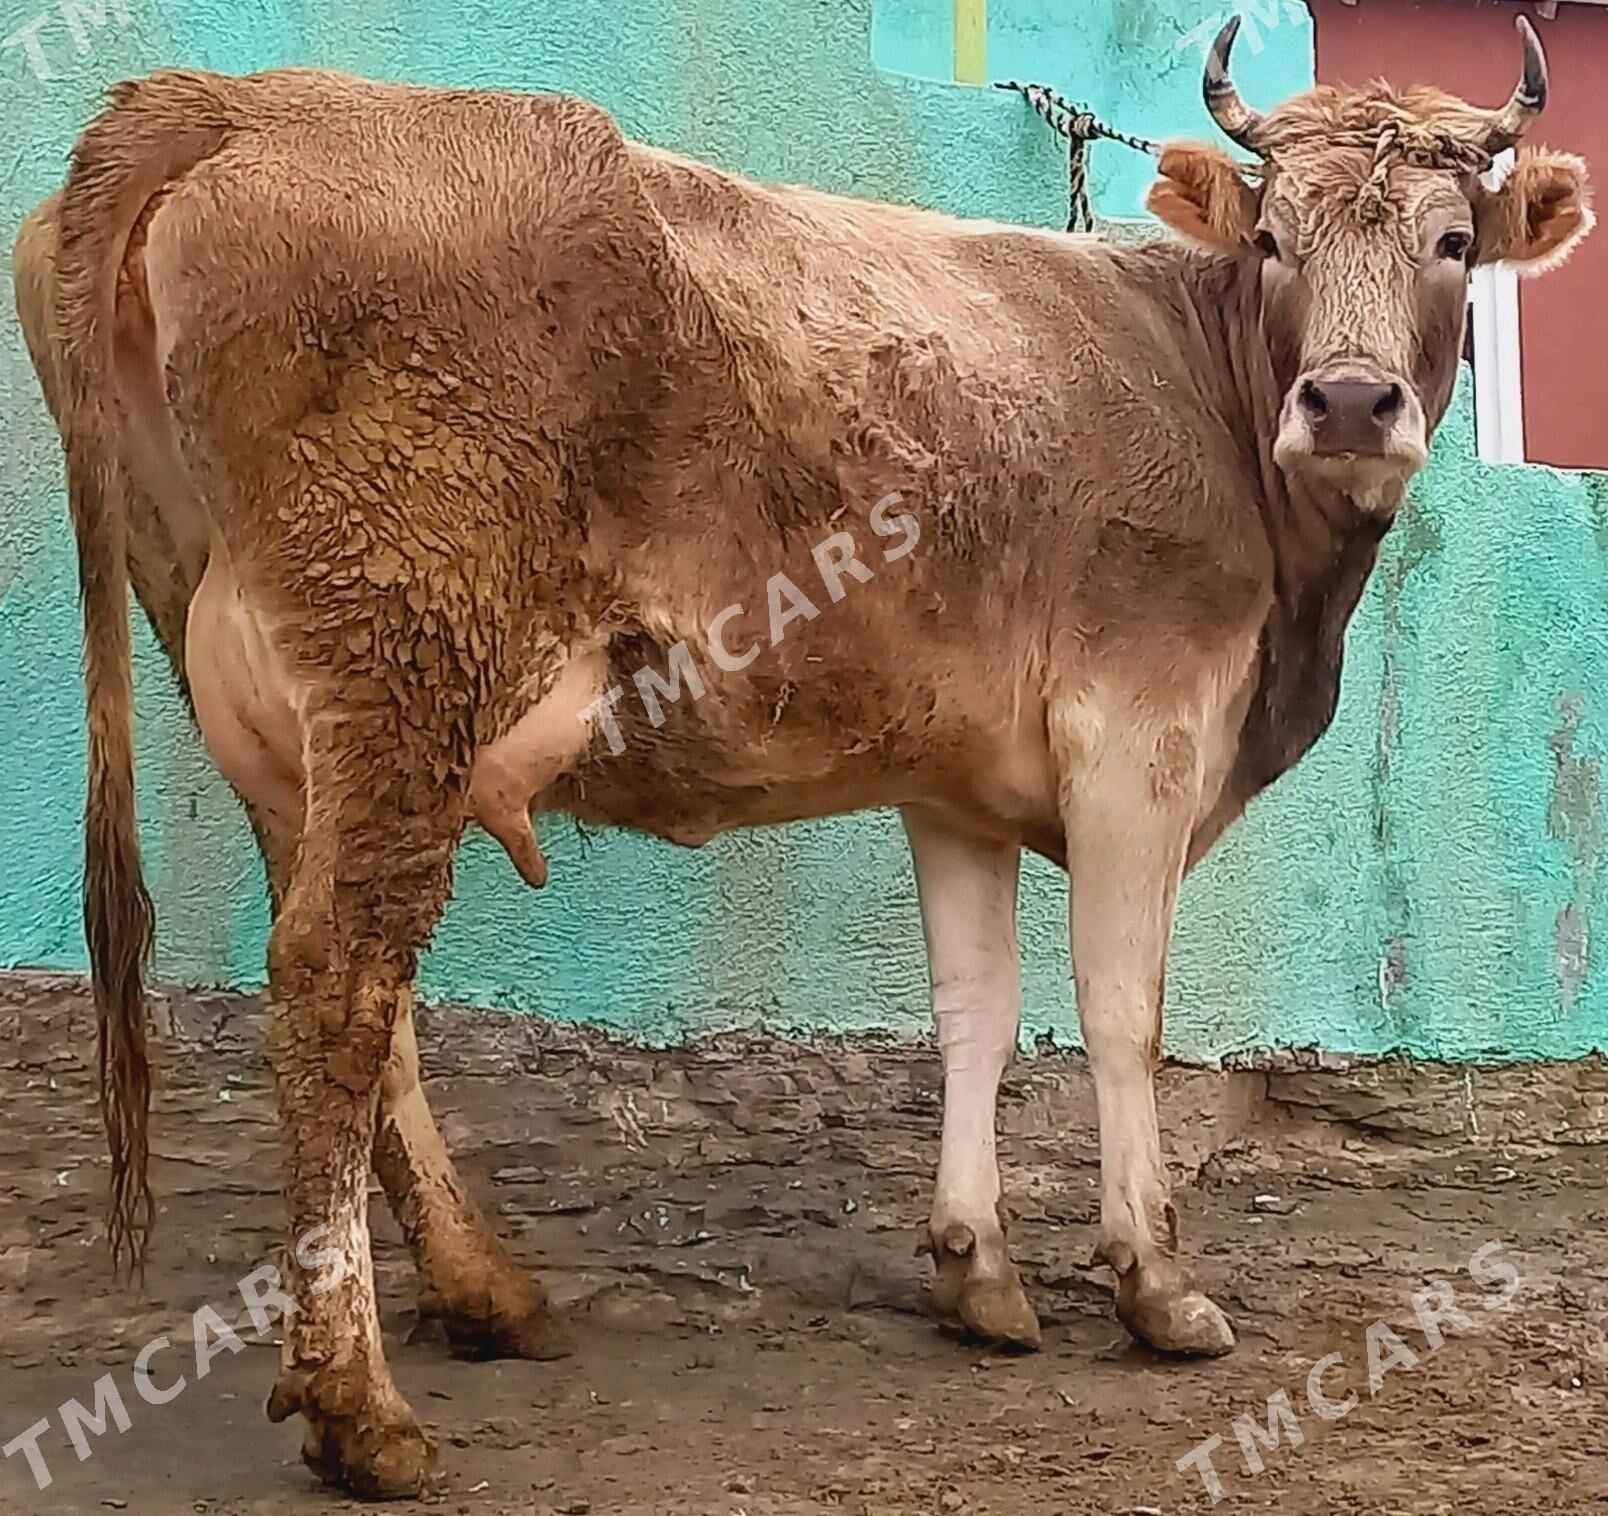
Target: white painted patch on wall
{"points": [[1493, 301]]}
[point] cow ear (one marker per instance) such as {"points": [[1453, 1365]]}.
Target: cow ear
{"points": [[1538, 216], [1202, 196]]}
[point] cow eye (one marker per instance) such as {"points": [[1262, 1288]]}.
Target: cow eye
{"points": [[1266, 243], [1455, 245]]}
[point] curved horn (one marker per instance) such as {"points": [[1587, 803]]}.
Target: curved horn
{"points": [[1232, 114], [1513, 120]]}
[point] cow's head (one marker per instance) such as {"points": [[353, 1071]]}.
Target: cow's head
{"points": [[1366, 212]]}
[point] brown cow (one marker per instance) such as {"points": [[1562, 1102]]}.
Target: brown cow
{"points": [[436, 419]]}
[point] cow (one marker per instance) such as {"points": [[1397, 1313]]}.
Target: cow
{"points": [[426, 423]]}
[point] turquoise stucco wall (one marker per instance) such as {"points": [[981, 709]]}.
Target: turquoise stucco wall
{"points": [[1135, 63], [1430, 878]]}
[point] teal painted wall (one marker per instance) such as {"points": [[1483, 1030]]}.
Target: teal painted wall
{"points": [[1430, 878], [1135, 63]]}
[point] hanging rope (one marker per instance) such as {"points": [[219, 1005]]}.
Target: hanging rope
{"points": [[1080, 127]]}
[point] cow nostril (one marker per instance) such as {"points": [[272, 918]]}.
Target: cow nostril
{"points": [[1388, 403], [1312, 399]]}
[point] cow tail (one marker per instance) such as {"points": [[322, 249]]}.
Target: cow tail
{"points": [[149, 134]]}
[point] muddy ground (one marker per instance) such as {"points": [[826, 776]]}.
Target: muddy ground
{"points": [[731, 1226]]}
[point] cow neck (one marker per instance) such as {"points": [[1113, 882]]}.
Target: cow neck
{"points": [[1324, 543]]}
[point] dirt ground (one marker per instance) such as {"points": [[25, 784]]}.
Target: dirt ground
{"points": [[730, 1227]]}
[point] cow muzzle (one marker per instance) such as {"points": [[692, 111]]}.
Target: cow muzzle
{"points": [[1354, 427]]}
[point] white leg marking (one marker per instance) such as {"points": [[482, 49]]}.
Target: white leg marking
{"points": [[968, 912], [1130, 799], [1125, 862]]}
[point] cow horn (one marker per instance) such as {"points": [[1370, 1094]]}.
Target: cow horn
{"points": [[1232, 114], [1513, 120]]}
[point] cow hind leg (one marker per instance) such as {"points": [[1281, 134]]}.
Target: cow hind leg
{"points": [[968, 911], [1130, 795], [487, 1304], [368, 884]]}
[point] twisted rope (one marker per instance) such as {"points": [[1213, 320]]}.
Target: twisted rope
{"points": [[1080, 127]]}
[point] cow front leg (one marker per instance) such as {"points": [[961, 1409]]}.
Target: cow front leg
{"points": [[488, 1305], [1129, 799], [968, 912], [369, 881]]}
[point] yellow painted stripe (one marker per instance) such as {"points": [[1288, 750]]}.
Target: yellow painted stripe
{"points": [[971, 41]]}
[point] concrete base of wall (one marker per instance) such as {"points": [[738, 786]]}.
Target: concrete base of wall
{"points": [[1400, 1102]]}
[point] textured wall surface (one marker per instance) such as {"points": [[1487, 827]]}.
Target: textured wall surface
{"points": [[1135, 63], [1430, 877]]}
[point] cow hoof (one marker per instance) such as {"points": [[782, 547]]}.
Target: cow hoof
{"points": [[1153, 1303], [997, 1311], [1187, 1324], [378, 1461], [504, 1314], [990, 1306], [537, 1335], [364, 1442]]}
